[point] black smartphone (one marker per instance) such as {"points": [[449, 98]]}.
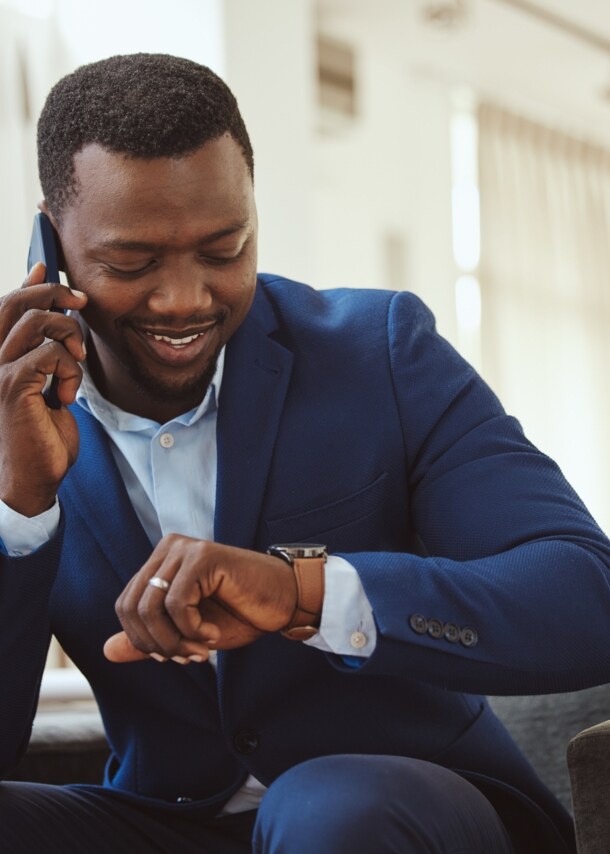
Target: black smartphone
{"points": [[43, 247]]}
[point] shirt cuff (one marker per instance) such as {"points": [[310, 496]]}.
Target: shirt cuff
{"points": [[22, 535], [347, 626]]}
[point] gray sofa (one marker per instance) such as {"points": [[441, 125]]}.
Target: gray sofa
{"points": [[543, 725], [67, 746], [589, 764]]}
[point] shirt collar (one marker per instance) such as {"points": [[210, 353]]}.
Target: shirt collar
{"points": [[114, 418]]}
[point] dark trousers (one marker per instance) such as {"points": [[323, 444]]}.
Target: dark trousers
{"points": [[332, 805]]}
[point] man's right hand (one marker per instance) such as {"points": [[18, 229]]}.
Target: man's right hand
{"points": [[37, 444]]}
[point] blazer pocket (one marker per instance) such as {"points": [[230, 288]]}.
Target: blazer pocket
{"points": [[339, 516]]}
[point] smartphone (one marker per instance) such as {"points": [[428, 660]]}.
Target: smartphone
{"points": [[43, 247]]}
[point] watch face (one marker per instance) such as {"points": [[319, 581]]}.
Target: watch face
{"points": [[298, 550]]}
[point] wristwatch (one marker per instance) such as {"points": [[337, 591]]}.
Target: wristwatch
{"points": [[307, 561]]}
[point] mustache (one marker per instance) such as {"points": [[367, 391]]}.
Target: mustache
{"points": [[170, 321]]}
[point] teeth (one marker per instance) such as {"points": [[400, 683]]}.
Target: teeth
{"points": [[175, 342]]}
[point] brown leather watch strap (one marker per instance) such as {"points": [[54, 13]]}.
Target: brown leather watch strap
{"points": [[309, 576]]}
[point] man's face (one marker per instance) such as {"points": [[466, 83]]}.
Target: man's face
{"points": [[165, 250]]}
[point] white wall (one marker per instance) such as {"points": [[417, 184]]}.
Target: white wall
{"points": [[387, 175], [27, 59], [94, 30]]}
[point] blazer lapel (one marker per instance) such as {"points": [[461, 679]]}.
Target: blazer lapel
{"points": [[98, 493], [254, 385]]}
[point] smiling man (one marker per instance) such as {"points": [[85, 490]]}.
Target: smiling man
{"points": [[289, 536]]}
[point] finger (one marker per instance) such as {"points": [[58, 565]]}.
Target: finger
{"points": [[225, 629], [37, 274], [28, 376], [155, 613], [143, 610], [119, 649], [45, 297], [141, 605], [52, 294], [35, 327], [187, 592]]}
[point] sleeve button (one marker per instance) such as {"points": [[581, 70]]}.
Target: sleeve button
{"points": [[468, 636], [452, 632], [435, 629], [419, 624]]}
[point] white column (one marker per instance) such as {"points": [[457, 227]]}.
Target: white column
{"points": [[269, 56]]}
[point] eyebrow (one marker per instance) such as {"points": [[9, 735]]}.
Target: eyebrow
{"points": [[142, 246]]}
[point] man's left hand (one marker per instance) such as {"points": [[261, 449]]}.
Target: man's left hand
{"points": [[218, 597]]}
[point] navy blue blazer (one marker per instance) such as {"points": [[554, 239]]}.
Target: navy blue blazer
{"points": [[344, 419]]}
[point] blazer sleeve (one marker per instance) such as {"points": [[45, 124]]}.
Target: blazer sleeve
{"points": [[509, 592], [25, 590]]}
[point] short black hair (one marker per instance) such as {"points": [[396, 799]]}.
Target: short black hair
{"points": [[142, 105]]}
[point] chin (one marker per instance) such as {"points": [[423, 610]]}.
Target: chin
{"points": [[189, 390]]}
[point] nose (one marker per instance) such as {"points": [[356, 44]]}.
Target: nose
{"points": [[181, 291]]}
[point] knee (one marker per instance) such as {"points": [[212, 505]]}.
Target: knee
{"points": [[333, 804]]}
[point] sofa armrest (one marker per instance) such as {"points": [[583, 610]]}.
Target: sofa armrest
{"points": [[588, 757]]}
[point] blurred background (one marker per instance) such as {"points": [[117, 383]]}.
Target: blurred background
{"points": [[456, 148]]}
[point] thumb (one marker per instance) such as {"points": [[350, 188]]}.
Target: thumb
{"points": [[119, 649]]}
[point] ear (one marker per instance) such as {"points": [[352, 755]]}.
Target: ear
{"points": [[44, 208]]}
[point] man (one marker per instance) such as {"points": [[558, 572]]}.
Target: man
{"points": [[328, 705]]}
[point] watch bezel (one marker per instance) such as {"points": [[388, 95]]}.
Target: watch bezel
{"points": [[297, 551]]}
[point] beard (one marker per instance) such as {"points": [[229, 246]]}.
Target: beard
{"points": [[190, 389], [182, 389]]}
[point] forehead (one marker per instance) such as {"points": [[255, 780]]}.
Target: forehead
{"points": [[113, 188]]}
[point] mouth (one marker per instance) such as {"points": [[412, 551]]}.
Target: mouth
{"points": [[178, 347], [176, 342]]}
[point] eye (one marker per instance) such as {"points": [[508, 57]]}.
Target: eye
{"points": [[130, 272], [218, 261], [221, 260]]}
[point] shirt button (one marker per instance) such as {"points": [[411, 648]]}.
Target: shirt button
{"points": [[357, 640], [166, 440]]}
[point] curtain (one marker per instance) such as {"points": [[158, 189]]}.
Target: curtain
{"points": [[545, 282]]}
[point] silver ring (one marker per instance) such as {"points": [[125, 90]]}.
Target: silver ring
{"points": [[161, 583]]}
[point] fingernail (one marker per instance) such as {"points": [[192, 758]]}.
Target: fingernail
{"points": [[179, 659], [196, 658], [84, 349], [77, 293], [157, 657]]}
